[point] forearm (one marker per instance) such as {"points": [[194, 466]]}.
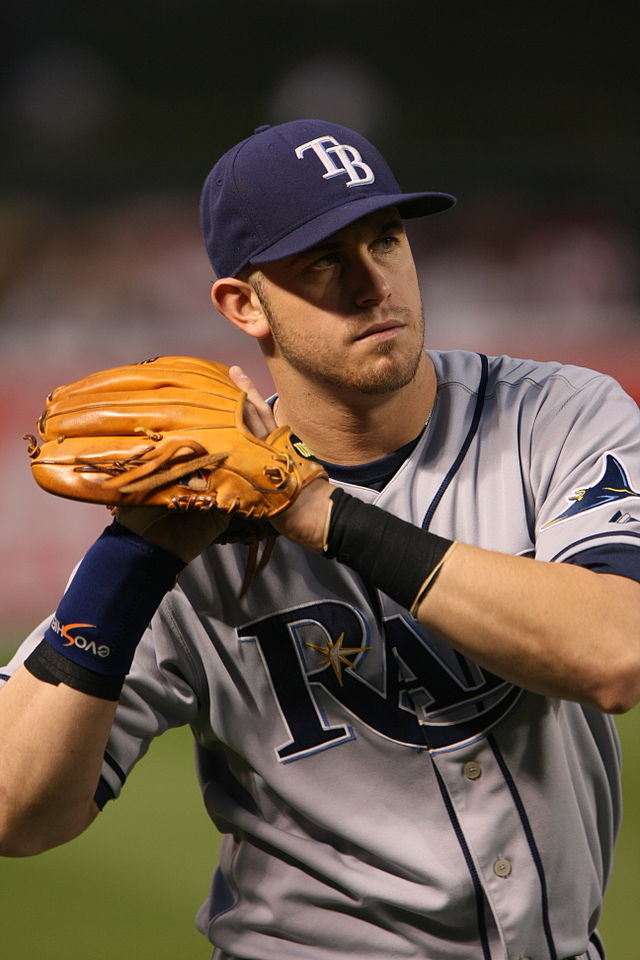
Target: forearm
{"points": [[52, 741], [554, 628], [56, 712]]}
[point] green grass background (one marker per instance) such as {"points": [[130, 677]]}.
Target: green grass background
{"points": [[131, 885]]}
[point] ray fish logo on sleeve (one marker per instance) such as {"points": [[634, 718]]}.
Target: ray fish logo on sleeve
{"points": [[613, 485], [350, 163]]}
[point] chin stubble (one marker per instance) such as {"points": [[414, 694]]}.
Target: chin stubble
{"points": [[298, 355]]}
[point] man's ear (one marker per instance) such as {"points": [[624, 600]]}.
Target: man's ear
{"points": [[236, 300]]}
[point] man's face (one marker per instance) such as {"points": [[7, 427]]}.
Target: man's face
{"points": [[347, 313]]}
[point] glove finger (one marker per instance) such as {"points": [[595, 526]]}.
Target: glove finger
{"points": [[121, 413], [180, 372]]}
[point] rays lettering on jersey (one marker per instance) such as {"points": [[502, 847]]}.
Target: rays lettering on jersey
{"points": [[322, 654]]}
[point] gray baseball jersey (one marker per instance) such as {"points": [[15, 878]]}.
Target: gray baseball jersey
{"points": [[380, 795]]}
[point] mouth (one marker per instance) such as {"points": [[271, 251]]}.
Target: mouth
{"points": [[384, 330]]}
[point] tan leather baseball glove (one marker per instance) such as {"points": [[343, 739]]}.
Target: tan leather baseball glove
{"points": [[167, 432]]}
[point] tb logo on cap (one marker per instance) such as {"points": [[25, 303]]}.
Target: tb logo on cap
{"points": [[351, 163]]}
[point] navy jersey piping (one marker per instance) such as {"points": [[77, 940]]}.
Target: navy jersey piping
{"points": [[597, 942], [115, 766], [535, 853], [623, 560], [595, 536], [477, 885], [104, 791], [455, 466], [473, 429], [457, 463], [103, 794]]}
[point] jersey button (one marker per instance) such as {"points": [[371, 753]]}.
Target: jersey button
{"points": [[502, 868], [472, 770]]}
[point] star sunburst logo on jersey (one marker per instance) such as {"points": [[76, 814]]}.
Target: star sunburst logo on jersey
{"points": [[336, 656], [613, 485]]}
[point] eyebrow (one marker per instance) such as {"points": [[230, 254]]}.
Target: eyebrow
{"points": [[395, 223]]}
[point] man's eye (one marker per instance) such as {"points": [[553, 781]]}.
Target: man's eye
{"points": [[322, 263], [386, 243]]}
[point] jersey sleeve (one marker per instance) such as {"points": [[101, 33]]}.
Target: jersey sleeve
{"points": [[585, 470], [617, 558], [166, 688], [23, 651]]}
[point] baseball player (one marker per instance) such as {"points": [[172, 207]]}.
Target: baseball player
{"points": [[403, 726]]}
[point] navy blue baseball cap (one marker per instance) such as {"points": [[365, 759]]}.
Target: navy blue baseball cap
{"points": [[287, 187]]}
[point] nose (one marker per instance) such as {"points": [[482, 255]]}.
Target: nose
{"points": [[370, 283]]}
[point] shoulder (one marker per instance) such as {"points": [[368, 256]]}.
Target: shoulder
{"points": [[526, 376]]}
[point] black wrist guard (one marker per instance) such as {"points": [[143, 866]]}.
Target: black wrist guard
{"points": [[51, 666], [400, 559]]}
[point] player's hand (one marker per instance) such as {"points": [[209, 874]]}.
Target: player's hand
{"points": [[182, 533], [258, 415], [305, 520]]}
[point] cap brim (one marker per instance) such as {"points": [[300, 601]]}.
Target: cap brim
{"points": [[410, 205]]}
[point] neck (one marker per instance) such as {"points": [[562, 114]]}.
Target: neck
{"points": [[350, 429]]}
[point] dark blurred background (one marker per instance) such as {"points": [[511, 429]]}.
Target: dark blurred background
{"points": [[112, 114], [110, 117]]}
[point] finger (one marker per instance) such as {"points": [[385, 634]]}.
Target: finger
{"points": [[258, 415], [245, 383]]}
